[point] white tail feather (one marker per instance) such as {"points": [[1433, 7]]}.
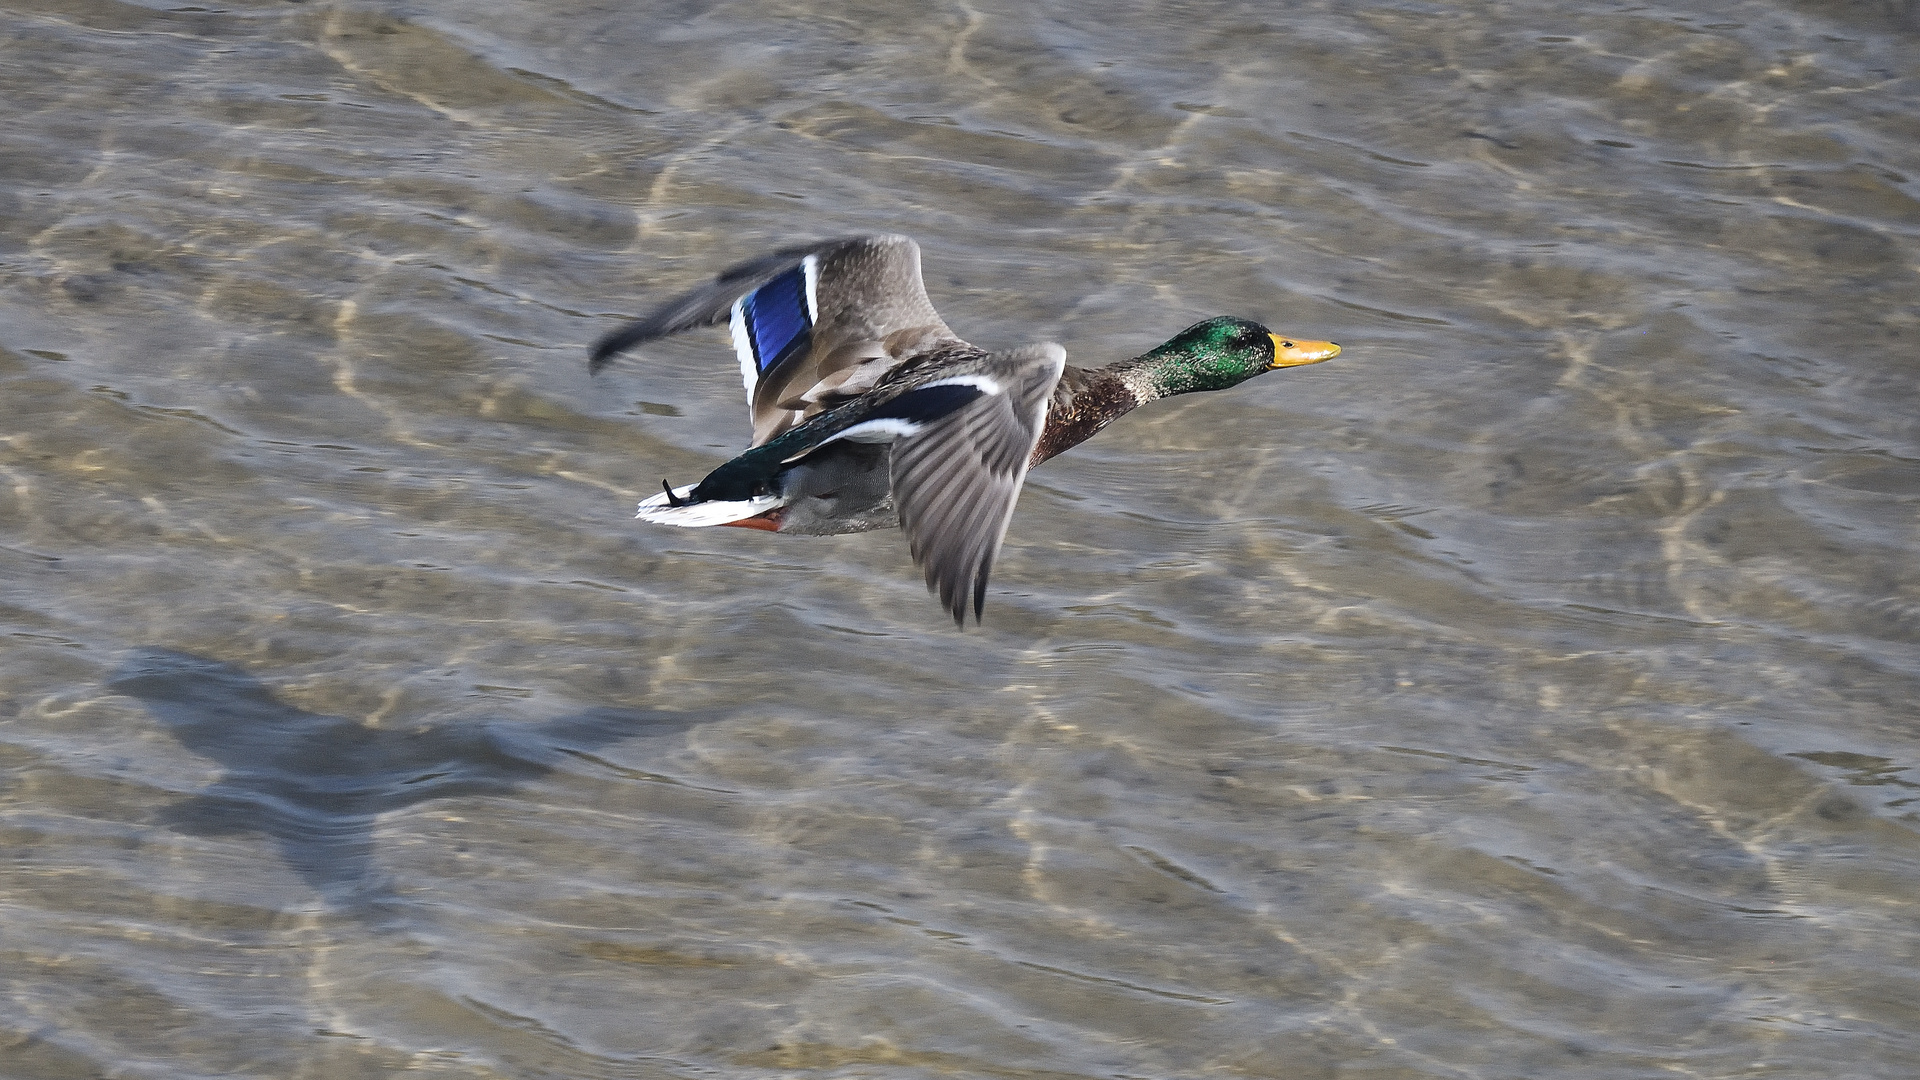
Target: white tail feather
{"points": [[660, 510]]}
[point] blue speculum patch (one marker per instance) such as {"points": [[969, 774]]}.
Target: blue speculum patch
{"points": [[776, 317]]}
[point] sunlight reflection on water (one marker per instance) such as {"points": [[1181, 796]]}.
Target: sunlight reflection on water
{"points": [[1526, 692]]}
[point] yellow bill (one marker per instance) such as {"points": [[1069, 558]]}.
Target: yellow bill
{"points": [[1293, 352]]}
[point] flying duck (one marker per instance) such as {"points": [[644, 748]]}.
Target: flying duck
{"points": [[869, 412]]}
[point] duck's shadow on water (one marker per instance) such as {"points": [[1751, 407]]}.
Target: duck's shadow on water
{"points": [[317, 785]]}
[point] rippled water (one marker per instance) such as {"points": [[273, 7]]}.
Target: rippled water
{"points": [[1529, 692]]}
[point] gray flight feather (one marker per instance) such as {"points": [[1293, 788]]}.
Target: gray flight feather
{"points": [[955, 482], [873, 314], [708, 305]]}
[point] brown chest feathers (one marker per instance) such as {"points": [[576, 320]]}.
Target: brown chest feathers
{"points": [[1083, 403]]}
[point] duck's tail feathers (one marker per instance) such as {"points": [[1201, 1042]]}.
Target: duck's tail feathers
{"points": [[674, 507]]}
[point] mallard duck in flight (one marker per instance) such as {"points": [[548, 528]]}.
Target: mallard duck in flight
{"points": [[868, 412]]}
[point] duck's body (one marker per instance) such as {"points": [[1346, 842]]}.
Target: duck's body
{"points": [[868, 412]]}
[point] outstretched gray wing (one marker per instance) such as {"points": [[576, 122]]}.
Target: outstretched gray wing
{"points": [[956, 479], [813, 326], [708, 305]]}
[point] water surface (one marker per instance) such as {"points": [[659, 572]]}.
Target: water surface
{"points": [[1529, 692]]}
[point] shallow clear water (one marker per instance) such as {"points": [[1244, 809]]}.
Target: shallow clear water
{"points": [[1528, 692]]}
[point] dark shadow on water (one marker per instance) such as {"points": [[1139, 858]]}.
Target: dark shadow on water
{"points": [[317, 784]]}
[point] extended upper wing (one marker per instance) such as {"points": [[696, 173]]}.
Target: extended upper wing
{"points": [[813, 326]]}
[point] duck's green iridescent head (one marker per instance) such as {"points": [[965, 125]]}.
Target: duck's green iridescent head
{"points": [[1223, 352]]}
